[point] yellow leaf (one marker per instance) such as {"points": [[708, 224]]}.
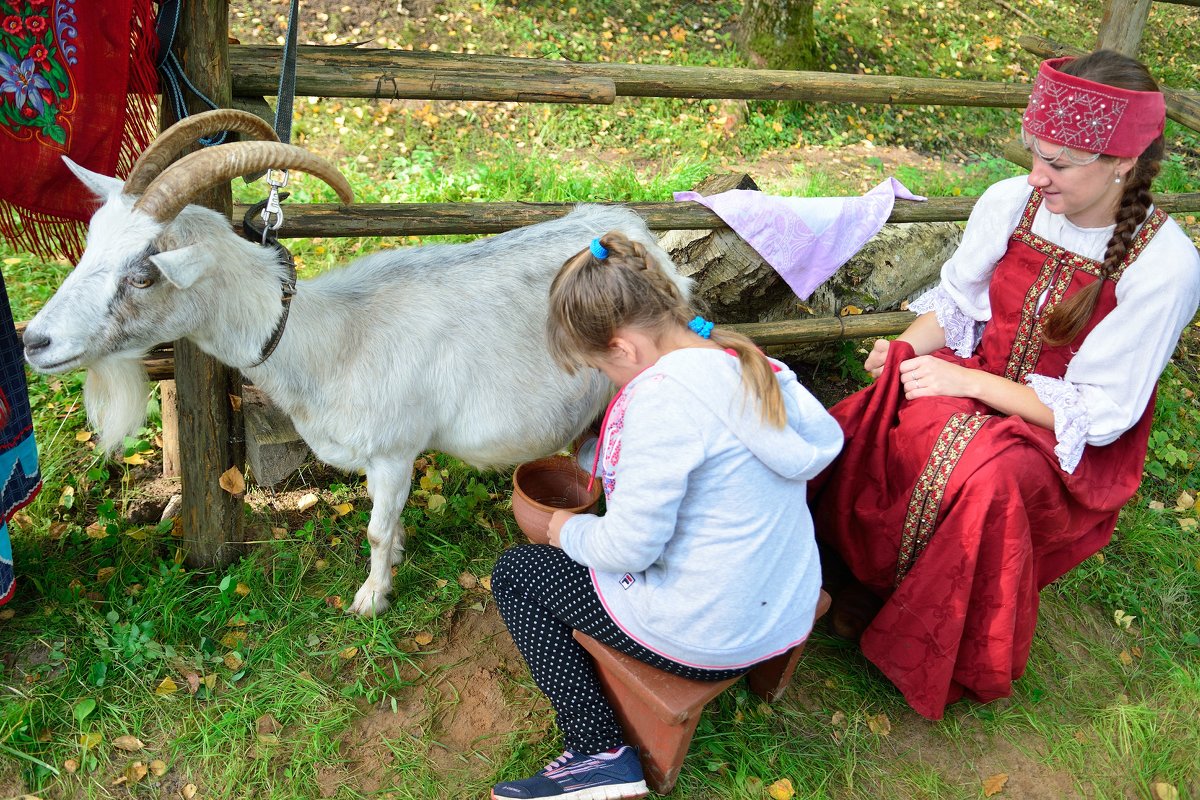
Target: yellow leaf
{"points": [[993, 784], [68, 497], [233, 660], [242, 589], [1188, 524], [166, 687], [486, 582], [781, 789], [90, 740], [849, 311], [1125, 658], [96, 531], [104, 574], [232, 481], [1122, 619], [1164, 791], [349, 653], [334, 541], [70, 766], [11, 262], [306, 502], [879, 724], [134, 460], [1184, 502], [436, 503], [83, 436], [188, 791], [158, 767], [130, 744], [232, 639], [442, 583], [7, 614], [342, 509], [423, 638]]}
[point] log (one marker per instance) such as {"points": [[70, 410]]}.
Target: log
{"points": [[432, 219], [273, 448], [826, 329], [1182, 106], [210, 428], [1122, 25], [369, 73]]}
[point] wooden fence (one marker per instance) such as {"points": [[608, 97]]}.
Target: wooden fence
{"points": [[210, 425]]}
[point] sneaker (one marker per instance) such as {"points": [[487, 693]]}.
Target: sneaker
{"points": [[610, 775]]}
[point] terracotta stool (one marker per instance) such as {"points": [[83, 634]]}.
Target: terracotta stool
{"points": [[659, 711]]}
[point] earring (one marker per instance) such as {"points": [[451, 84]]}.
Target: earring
{"points": [[1117, 179]]}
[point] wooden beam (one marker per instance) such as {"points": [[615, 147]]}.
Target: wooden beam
{"points": [[826, 329], [209, 427], [358, 72], [436, 219], [1122, 25], [1182, 106]]}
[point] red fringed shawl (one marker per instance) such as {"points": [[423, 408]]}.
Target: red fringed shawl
{"points": [[77, 79]]}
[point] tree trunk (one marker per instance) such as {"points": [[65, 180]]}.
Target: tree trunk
{"points": [[779, 33]]}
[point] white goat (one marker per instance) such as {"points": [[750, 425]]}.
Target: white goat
{"points": [[439, 347]]}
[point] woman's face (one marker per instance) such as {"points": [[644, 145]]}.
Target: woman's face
{"points": [[1087, 194]]}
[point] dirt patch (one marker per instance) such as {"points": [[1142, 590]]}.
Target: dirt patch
{"points": [[468, 700]]}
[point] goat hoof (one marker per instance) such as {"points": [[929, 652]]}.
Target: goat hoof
{"points": [[368, 603]]}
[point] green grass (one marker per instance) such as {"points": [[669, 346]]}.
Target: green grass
{"points": [[106, 613]]}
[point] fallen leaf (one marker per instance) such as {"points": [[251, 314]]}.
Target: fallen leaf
{"points": [[1188, 524], [306, 502], [232, 639], [1136, 651], [193, 682], [210, 681], [70, 766], [486, 582], [232, 481], [235, 402], [233, 660], [442, 583], [130, 744], [781, 789], [334, 601], [1164, 791], [96, 531], [435, 503], [188, 791], [993, 784], [242, 589], [320, 564], [349, 653], [7, 614], [849, 311], [1125, 658], [68, 497], [279, 533], [134, 460], [467, 580], [1184, 502], [838, 720], [90, 740], [1156, 505], [104, 574], [879, 724], [423, 638], [166, 687], [1122, 619], [266, 725], [158, 768], [342, 509], [83, 436], [136, 771]]}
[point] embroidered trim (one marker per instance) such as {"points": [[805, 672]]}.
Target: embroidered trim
{"points": [[962, 333], [1071, 418], [921, 519]]}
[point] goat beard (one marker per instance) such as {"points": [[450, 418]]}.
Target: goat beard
{"points": [[115, 397]]}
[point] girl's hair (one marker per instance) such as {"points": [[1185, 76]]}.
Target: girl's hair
{"points": [[1112, 69], [590, 298]]}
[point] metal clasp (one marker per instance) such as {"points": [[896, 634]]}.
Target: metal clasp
{"points": [[272, 213]]}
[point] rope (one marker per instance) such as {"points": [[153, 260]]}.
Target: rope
{"points": [[174, 80]]}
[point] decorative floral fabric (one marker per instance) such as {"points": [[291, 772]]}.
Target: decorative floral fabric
{"points": [[77, 79]]}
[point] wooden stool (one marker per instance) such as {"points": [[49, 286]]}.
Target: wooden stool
{"points": [[659, 711]]}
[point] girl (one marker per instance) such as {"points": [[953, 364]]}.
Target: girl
{"points": [[1008, 424], [704, 563]]}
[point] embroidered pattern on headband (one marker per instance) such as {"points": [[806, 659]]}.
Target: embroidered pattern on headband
{"points": [[1078, 118]]}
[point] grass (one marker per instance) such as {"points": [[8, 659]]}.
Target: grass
{"points": [[290, 698]]}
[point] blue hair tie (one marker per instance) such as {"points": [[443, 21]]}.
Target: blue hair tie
{"points": [[701, 327], [599, 250]]}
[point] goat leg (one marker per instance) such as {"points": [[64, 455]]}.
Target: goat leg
{"points": [[388, 484]]}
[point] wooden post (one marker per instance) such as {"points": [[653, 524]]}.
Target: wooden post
{"points": [[1122, 24], [169, 402], [209, 426]]}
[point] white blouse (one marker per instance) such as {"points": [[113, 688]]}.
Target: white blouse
{"points": [[1110, 378]]}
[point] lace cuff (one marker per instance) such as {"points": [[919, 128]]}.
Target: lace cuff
{"points": [[1070, 417], [962, 332]]}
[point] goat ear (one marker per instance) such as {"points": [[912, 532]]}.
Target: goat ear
{"points": [[100, 185], [181, 267]]}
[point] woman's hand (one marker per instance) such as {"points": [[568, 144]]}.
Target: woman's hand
{"points": [[557, 520], [926, 376], [877, 357]]}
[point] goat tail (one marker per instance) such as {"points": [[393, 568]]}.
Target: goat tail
{"points": [[115, 397]]}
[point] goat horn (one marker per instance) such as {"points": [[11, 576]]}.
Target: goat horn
{"points": [[167, 194], [177, 138]]}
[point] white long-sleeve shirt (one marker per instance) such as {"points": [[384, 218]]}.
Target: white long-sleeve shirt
{"points": [[1111, 377]]}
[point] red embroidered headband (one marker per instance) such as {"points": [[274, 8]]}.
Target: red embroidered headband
{"points": [[1095, 117]]}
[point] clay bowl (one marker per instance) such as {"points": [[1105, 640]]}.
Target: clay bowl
{"points": [[547, 485]]}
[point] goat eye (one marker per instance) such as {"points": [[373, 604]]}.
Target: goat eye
{"points": [[141, 281]]}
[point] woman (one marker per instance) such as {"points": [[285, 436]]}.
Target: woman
{"points": [[1008, 424]]}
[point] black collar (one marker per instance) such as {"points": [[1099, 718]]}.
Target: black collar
{"points": [[260, 235]]}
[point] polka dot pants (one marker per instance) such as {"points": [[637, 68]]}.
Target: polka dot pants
{"points": [[542, 595]]}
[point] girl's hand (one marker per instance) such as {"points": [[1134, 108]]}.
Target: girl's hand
{"points": [[557, 520], [926, 376], [877, 357]]}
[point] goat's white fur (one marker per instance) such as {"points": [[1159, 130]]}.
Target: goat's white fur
{"points": [[440, 347]]}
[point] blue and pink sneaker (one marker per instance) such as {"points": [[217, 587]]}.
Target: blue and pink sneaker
{"points": [[611, 775]]}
